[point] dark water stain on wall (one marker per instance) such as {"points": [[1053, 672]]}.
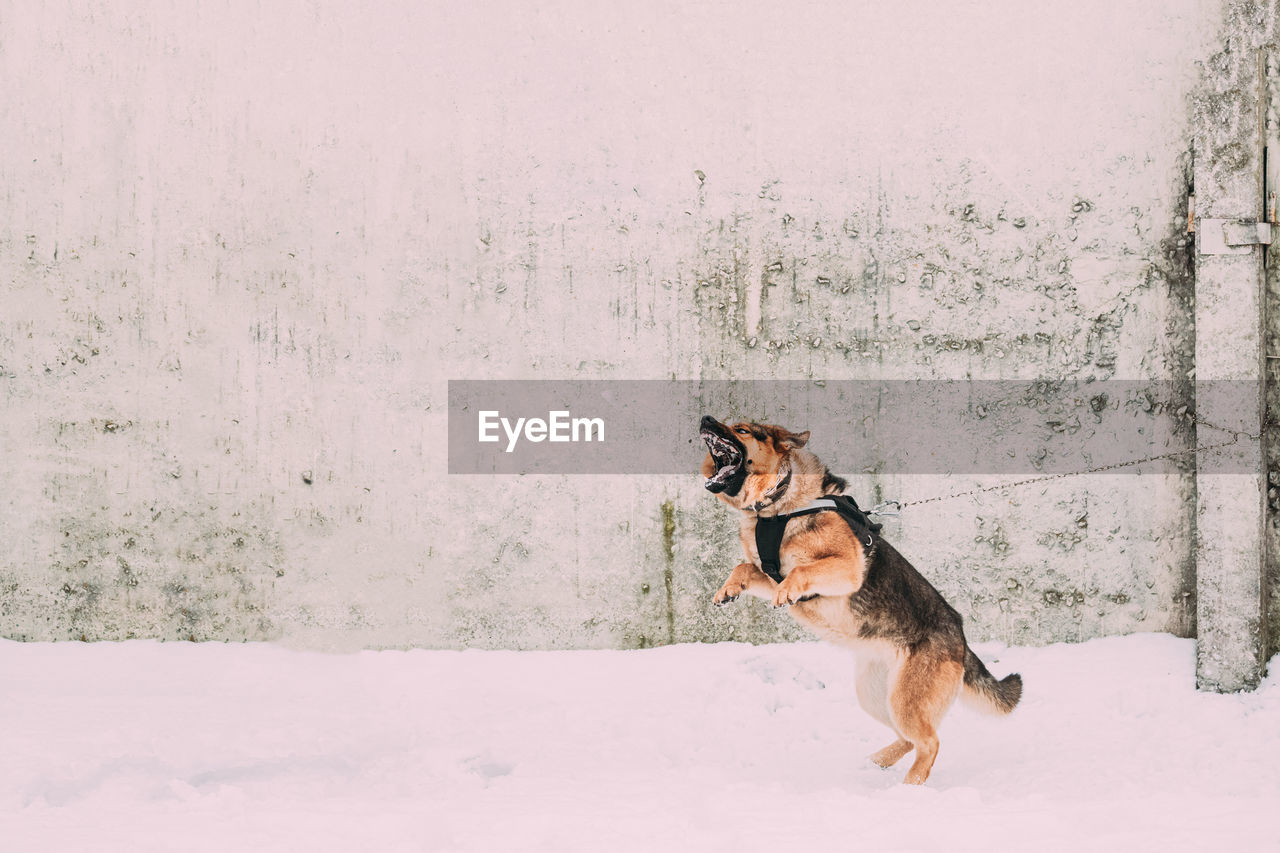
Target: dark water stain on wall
{"points": [[143, 571]]}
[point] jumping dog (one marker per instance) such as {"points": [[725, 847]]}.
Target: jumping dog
{"points": [[808, 547]]}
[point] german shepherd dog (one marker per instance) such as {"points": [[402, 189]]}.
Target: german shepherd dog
{"points": [[854, 590]]}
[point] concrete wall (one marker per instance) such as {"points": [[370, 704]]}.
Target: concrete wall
{"points": [[246, 245]]}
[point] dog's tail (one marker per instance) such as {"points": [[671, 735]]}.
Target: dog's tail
{"points": [[982, 691]]}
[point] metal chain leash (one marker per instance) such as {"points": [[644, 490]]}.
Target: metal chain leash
{"points": [[894, 508]]}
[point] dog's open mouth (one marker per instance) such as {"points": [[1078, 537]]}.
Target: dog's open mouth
{"points": [[729, 457]]}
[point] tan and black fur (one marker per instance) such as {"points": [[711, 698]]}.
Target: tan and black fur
{"points": [[912, 658]]}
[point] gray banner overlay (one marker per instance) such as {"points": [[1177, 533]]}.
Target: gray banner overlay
{"points": [[857, 426]]}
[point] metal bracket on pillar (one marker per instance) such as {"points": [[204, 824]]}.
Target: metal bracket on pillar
{"points": [[1232, 236]]}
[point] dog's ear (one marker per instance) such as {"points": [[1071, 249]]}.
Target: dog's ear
{"points": [[793, 440]]}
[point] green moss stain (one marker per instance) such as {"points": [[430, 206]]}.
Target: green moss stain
{"points": [[669, 563]]}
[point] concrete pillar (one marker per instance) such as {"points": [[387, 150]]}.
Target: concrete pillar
{"points": [[1271, 367], [1229, 364]]}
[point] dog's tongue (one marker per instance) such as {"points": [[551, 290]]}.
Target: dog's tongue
{"points": [[726, 460]]}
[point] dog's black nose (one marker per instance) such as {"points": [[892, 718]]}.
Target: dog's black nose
{"points": [[708, 421]]}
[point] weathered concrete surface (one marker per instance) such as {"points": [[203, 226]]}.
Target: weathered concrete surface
{"points": [[1229, 113], [1271, 369], [245, 249]]}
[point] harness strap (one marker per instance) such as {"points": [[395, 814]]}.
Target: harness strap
{"points": [[770, 530]]}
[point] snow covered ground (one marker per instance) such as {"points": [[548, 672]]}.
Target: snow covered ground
{"points": [[149, 746]]}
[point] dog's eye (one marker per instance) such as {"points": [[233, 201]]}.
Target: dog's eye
{"points": [[740, 431]]}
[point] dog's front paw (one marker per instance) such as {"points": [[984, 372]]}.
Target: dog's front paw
{"points": [[791, 590], [729, 592]]}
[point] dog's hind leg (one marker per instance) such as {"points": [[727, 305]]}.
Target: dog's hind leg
{"points": [[919, 696], [892, 753], [873, 689], [873, 696]]}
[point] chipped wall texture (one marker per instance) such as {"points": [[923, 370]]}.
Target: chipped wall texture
{"points": [[246, 247]]}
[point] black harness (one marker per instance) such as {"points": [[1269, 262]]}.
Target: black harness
{"points": [[770, 529]]}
